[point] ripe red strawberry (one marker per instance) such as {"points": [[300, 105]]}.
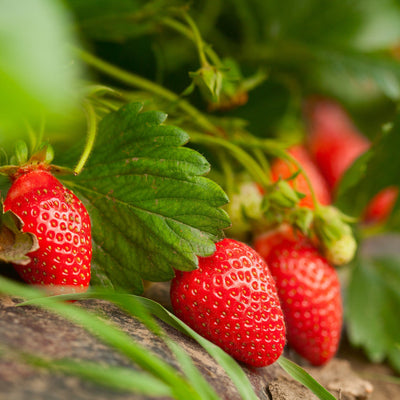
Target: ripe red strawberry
{"points": [[381, 205], [334, 141], [62, 226], [263, 244], [231, 300], [281, 169], [309, 291]]}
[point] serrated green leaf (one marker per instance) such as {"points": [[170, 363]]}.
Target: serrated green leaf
{"points": [[151, 209], [373, 301]]}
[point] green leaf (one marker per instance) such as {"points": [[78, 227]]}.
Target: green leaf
{"points": [[373, 171], [305, 378], [151, 209], [373, 302], [36, 72]]}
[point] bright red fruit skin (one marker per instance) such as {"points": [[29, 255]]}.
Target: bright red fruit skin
{"points": [[267, 241], [62, 227], [232, 301], [381, 205], [281, 169], [309, 291]]}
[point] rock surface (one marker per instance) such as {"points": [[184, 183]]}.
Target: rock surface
{"points": [[37, 331]]}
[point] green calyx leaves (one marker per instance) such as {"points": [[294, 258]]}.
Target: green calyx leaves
{"points": [[335, 235], [209, 81], [152, 210], [282, 195]]}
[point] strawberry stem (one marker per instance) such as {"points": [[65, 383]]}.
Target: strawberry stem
{"points": [[181, 28], [276, 149], [244, 158], [197, 39], [315, 201], [142, 83], [90, 138]]}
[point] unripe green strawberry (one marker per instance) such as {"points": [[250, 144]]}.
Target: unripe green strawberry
{"points": [[62, 226], [336, 240], [231, 300]]}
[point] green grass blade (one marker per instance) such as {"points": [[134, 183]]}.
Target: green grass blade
{"points": [[134, 305], [231, 367], [117, 378], [109, 334], [298, 373], [195, 377]]}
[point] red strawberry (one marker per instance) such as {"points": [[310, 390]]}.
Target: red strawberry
{"points": [[62, 226], [309, 292], [231, 300], [334, 141], [381, 205], [281, 169], [267, 241]]}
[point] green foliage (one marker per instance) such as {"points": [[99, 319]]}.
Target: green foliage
{"points": [[36, 73], [373, 171], [373, 301], [150, 207]]}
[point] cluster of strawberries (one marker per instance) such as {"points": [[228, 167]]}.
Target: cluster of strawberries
{"points": [[248, 300], [251, 301]]}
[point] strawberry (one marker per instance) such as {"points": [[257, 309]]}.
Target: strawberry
{"points": [[334, 141], [381, 205], [264, 243], [309, 292], [62, 227], [232, 301], [281, 169]]}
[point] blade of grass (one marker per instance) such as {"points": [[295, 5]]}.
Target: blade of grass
{"points": [[109, 334], [133, 304], [305, 378], [117, 378], [195, 377]]}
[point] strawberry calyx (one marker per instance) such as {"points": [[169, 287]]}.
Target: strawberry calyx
{"points": [[336, 239], [14, 243], [40, 160]]}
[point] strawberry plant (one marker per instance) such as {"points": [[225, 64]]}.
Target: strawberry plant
{"points": [[167, 131]]}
